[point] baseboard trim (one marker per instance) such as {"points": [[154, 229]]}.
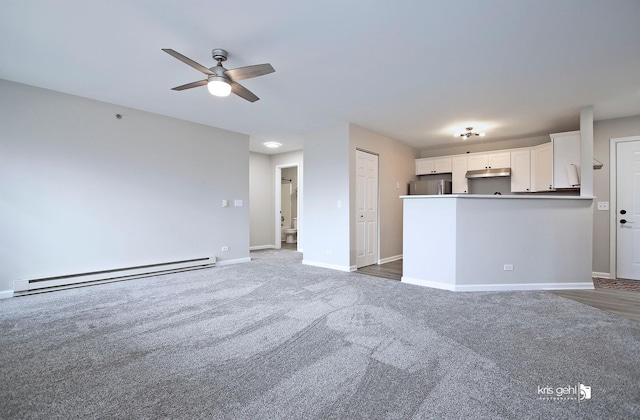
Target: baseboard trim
{"points": [[329, 266], [6, 294], [601, 275], [498, 287], [524, 286], [389, 259], [259, 247], [235, 261], [428, 283]]}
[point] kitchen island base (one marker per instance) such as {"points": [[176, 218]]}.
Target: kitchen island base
{"points": [[491, 243]]}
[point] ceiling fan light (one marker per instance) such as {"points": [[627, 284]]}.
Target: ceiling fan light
{"points": [[218, 86]]}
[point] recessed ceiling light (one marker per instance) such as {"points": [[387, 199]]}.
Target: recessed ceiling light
{"points": [[272, 144]]}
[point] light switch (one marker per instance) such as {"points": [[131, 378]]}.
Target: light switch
{"points": [[238, 203], [225, 203], [603, 205]]}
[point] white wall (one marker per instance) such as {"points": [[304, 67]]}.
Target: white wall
{"points": [[261, 207], [326, 182], [547, 241], [396, 168], [84, 191]]}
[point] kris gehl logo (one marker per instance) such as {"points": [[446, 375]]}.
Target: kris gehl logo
{"points": [[581, 392]]}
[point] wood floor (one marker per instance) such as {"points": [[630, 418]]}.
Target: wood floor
{"points": [[293, 246], [622, 302], [392, 270]]}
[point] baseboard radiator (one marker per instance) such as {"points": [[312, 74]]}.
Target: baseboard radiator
{"points": [[47, 284]]}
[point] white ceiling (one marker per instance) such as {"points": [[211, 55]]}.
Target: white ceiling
{"points": [[409, 69]]}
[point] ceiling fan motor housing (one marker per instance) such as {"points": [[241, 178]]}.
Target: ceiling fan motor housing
{"points": [[219, 55]]}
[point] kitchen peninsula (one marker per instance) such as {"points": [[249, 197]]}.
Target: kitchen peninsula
{"points": [[465, 242]]}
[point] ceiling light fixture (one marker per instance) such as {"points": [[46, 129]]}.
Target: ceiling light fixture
{"points": [[218, 86], [272, 144], [469, 133]]}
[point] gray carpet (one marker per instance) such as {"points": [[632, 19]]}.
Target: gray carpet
{"points": [[276, 339]]}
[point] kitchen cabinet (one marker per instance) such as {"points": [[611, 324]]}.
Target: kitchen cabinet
{"points": [[566, 152], [428, 166], [488, 160], [459, 175], [542, 167], [521, 170]]}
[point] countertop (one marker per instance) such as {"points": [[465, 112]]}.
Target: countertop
{"points": [[501, 197]]}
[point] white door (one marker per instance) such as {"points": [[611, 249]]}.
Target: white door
{"points": [[366, 209], [628, 210]]}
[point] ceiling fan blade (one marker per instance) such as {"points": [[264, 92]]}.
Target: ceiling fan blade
{"points": [[243, 92], [188, 61], [249, 71], [191, 85]]}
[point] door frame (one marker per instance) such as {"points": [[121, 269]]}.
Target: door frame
{"points": [[278, 204], [613, 201], [359, 149]]}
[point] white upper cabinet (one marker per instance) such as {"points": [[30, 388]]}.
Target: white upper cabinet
{"points": [[439, 165], [488, 160], [521, 170], [547, 167], [542, 167], [566, 159]]}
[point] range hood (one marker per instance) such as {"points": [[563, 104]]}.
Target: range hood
{"points": [[489, 173]]}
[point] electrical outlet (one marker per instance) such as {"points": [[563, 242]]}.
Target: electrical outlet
{"points": [[603, 205], [238, 203], [225, 248], [508, 267]]}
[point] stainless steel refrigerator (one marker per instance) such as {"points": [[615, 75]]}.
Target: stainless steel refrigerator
{"points": [[430, 187]]}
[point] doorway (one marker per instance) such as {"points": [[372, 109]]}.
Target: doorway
{"points": [[366, 208], [625, 211], [287, 203]]}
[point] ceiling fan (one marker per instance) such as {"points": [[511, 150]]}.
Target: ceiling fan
{"points": [[220, 81]]}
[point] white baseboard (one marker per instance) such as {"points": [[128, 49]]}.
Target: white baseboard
{"points": [[525, 286], [231, 262], [601, 275], [498, 287], [329, 266], [5, 294], [427, 283], [259, 247], [389, 259]]}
